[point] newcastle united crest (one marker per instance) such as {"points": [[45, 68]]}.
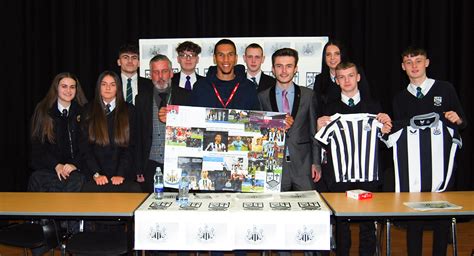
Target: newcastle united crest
{"points": [[158, 233], [206, 234], [254, 235], [305, 236]]}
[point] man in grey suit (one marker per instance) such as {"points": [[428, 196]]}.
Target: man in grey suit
{"points": [[254, 59], [301, 164]]}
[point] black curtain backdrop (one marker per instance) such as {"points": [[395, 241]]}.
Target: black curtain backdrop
{"points": [[43, 38]]}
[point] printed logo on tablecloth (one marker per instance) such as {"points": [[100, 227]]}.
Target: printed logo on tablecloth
{"points": [[219, 206], [158, 233], [254, 235], [206, 233], [305, 236], [159, 205], [280, 206], [309, 206], [253, 206], [191, 206]]}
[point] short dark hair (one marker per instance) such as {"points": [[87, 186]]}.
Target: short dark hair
{"points": [[128, 48], [224, 41], [285, 52], [413, 51], [253, 46], [188, 46], [345, 65]]}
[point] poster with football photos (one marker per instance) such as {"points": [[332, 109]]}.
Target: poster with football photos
{"points": [[224, 149]]}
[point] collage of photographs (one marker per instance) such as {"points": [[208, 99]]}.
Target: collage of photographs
{"points": [[224, 149]]}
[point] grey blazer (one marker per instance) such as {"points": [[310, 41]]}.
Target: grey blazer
{"points": [[303, 148]]}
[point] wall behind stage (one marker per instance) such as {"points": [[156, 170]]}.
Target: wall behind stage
{"points": [[43, 38]]}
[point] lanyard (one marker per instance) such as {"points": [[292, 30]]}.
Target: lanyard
{"points": [[230, 97]]}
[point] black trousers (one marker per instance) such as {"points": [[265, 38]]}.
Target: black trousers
{"points": [[415, 236], [48, 181]]}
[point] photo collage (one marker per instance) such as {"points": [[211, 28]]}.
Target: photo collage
{"points": [[224, 149]]}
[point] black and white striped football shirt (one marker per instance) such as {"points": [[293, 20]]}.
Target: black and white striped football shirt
{"points": [[423, 154], [353, 141]]}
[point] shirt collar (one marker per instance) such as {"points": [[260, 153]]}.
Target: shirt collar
{"points": [[290, 89], [61, 107], [112, 105], [257, 76], [125, 78], [356, 98], [425, 86]]}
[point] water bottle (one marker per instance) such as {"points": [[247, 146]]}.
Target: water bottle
{"points": [[158, 183], [183, 189]]}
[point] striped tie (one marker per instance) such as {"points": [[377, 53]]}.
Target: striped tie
{"points": [[351, 102], [129, 97], [419, 94]]}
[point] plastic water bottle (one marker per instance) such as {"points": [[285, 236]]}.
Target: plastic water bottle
{"points": [[183, 189], [158, 183]]}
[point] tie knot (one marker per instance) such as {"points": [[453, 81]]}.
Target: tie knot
{"points": [[419, 94], [129, 80], [107, 109], [284, 93], [188, 78], [351, 102], [64, 112]]}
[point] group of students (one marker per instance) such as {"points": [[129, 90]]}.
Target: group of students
{"points": [[115, 142]]}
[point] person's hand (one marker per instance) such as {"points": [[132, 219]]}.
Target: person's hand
{"points": [[386, 121], [322, 121], [60, 171], [162, 114], [117, 180], [289, 121], [101, 180], [315, 173], [453, 117], [68, 168]]}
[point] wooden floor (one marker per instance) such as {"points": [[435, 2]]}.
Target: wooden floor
{"points": [[465, 243]]}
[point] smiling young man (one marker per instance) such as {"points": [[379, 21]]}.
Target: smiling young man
{"points": [[423, 96], [128, 61], [352, 162], [225, 85], [254, 59], [183, 81], [301, 164]]}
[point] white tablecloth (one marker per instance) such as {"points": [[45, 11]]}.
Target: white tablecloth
{"points": [[230, 221]]}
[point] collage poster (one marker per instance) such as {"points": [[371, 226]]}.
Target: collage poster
{"points": [[224, 149]]}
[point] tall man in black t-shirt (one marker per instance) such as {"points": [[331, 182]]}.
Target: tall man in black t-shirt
{"points": [[424, 95]]}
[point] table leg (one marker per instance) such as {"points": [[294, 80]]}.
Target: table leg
{"points": [[388, 238], [455, 242]]}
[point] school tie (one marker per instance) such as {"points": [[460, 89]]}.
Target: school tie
{"points": [[286, 103], [187, 85], [419, 94], [64, 113], [351, 102], [129, 97], [107, 109], [254, 80]]}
